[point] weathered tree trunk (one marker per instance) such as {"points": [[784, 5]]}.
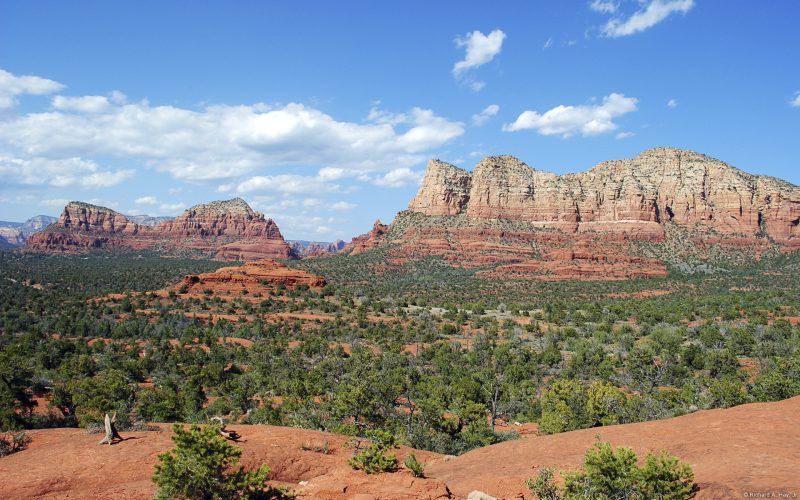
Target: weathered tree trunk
{"points": [[111, 430], [231, 435]]}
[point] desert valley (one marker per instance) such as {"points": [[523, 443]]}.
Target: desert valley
{"points": [[502, 312], [399, 250]]}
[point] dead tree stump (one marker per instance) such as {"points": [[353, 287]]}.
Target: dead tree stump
{"points": [[230, 435], [111, 430]]}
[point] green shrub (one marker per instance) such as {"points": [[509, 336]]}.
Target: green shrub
{"points": [[664, 476], [607, 473], [12, 442], [374, 458], [610, 473], [544, 485], [416, 467], [200, 466]]}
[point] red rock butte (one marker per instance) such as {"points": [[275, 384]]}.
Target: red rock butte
{"points": [[227, 230], [261, 276], [580, 226]]}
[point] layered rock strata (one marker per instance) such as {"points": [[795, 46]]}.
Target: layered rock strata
{"points": [[228, 230], [516, 221], [255, 277], [633, 196]]}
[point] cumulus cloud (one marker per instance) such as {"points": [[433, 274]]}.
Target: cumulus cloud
{"points": [[672, 103], [342, 206], [225, 143], [653, 13], [488, 112], [795, 103], [146, 200], [625, 135], [63, 172], [399, 177], [287, 184], [603, 7], [568, 120], [84, 104], [172, 208], [12, 86], [480, 49]]}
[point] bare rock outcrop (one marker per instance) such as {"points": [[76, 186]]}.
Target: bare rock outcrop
{"points": [[521, 222], [228, 230], [444, 191], [260, 276], [368, 241], [623, 196]]}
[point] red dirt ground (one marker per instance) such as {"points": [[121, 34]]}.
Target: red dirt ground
{"points": [[751, 448]]}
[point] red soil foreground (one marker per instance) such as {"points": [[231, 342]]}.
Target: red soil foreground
{"points": [[753, 448]]}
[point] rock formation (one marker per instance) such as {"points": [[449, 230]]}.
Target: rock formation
{"points": [[228, 230], [310, 249], [524, 222], [147, 220], [14, 234], [660, 185], [368, 241], [260, 276]]}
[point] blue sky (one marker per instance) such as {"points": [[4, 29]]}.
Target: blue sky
{"points": [[323, 114]]}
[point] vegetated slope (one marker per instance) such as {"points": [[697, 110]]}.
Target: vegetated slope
{"points": [[750, 448], [226, 230], [620, 219]]}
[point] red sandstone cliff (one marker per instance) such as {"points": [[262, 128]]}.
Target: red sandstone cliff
{"points": [[622, 196], [527, 223], [228, 230], [368, 241]]}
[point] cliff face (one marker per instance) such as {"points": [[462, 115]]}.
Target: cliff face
{"points": [[626, 196], [445, 190], [228, 230], [516, 221], [92, 218], [368, 241]]}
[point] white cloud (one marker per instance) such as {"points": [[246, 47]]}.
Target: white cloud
{"points": [[795, 103], [57, 202], [62, 172], [287, 184], [84, 104], [12, 86], [399, 177], [604, 7], [480, 49], [342, 206], [672, 103], [228, 142], [547, 44], [172, 207], [569, 120], [146, 200], [476, 85], [655, 12], [488, 112], [625, 135]]}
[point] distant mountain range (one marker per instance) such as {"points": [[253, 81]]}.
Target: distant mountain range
{"points": [[13, 234], [620, 219]]}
